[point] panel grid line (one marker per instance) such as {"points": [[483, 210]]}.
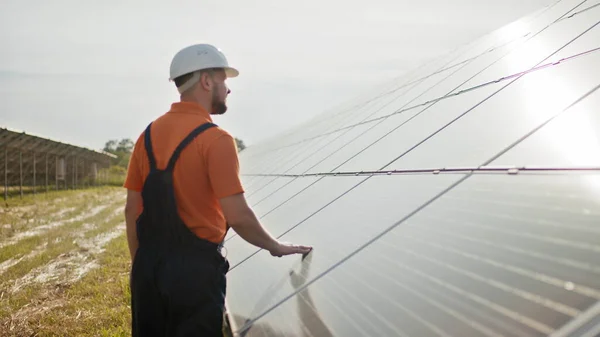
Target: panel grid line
{"points": [[380, 121], [479, 86], [581, 11], [435, 133], [358, 105], [440, 170], [537, 67], [346, 130], [544, 329]]}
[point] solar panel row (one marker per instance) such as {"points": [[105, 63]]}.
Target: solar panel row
{"points": [[422, 223], [32, 163]]}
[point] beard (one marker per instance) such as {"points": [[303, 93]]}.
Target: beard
{"points": [[219, 106]]}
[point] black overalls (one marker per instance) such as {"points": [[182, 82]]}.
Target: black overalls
{"points": [[177, 279]]}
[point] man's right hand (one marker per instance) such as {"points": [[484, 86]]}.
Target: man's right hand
{"points": [[284, 248]]}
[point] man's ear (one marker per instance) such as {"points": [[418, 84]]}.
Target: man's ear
{"points": [[206, 81]]}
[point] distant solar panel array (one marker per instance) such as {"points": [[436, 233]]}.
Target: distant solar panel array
{"points": [[463, 199], [30, 164]]}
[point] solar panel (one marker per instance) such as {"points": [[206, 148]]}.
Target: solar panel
{"points": [[462, 199], [496, 256], [570, 140]]}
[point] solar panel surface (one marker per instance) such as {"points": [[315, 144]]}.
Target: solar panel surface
{"points": [[463, 199]]}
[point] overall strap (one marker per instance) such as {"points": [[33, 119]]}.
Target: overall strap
{"points": [[186, 142], [148, 145]]}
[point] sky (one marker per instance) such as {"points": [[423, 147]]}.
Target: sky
{"points": [[84, 71]]}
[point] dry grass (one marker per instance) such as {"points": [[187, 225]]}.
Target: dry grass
{"points": [[64, 265], [69, 275], [95, 305]]}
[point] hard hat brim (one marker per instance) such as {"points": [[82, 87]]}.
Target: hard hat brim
{"points": [[231, 72]]}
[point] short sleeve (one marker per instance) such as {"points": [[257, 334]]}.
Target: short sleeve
{"points": [[134, 180], [223, 167]]}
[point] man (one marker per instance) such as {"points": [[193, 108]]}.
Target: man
{"points": [[183, 192]]}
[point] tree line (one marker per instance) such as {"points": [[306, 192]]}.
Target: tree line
{"points": [[123, 148]]}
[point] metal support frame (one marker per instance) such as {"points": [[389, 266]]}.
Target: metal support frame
{"points": [[21, 173], [56, 171], [34, 180], [74, 172], [5, 173], [21, 145], [46, 173], [66, 179], [460, 170]]}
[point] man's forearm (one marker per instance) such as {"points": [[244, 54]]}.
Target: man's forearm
{"points": [[250, 229], [243, 221]]}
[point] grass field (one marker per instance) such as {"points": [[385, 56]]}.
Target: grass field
{"points": [[64, 265]]}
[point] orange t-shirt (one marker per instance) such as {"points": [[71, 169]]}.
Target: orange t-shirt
{"points": [[207, 169]]}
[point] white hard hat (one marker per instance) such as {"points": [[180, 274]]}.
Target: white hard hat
{"points": [[199, 57]]}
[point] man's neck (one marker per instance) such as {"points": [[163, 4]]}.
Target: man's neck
{"points": [[202, 103]]}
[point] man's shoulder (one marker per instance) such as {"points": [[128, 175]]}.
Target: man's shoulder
{"points": [[207, 137], [218, 140], [139, 142], [222, 132], [216, 133]]}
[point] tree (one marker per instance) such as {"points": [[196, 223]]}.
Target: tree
{"points": [[240, 144], [120, 148], [125, 145], [110, 146]]}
